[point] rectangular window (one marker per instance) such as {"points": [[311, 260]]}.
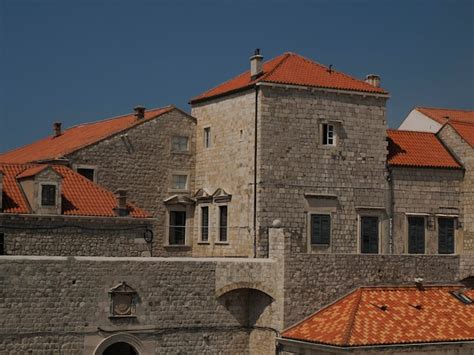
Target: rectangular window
{"points": [[416, 235], [179, 182], [48, 195], [328, 134], [177, 231], [320, 229], [223, 223], [2, 244], [207, 137], [179, 144], [87, 173], [369, 233], [205, 223], [446, 235]]}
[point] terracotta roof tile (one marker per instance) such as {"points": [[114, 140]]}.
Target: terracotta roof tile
{"points": [[32, 171], [442, 115], [77, 137], [80, 196], [390, 315], [465, 130], [292, 69], [418, 149]]}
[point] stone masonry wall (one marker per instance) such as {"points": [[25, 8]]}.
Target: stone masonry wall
{"points": [[431, 192], [142, 163], [66, 235], [465, 154], [229, 164], [293, 162], [53, 305]]}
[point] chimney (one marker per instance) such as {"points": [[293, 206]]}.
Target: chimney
{"points": [[256, 65], [121, 210], [419, 283], [139, 112], [57, 129], [373, 79]]}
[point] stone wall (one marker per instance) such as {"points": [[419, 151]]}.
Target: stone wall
{"points": [[142, 162], [465, 154], [429, 193], [62, 305], [293, 162], [67, 235], [228, 164]]}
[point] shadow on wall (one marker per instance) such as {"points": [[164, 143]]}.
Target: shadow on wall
{"points": [[246, 305]]}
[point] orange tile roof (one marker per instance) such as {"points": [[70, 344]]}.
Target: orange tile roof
{"points": [[77, 137], [292, 69], [442, 115], [418, 149], [465, 130], [390, 315], [80, 196]]}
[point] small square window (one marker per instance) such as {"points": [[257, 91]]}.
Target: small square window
{"points": [[88, 173], [179, 144], [328, 134], [48, 195], [180, 182], [207, 137]]}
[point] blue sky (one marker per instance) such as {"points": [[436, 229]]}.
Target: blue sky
{"points": [[79, 61]]}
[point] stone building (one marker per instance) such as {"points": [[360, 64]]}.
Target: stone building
{"points": [[281, 193]]}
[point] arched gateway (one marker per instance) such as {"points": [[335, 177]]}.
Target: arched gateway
{"points": [[120, 344]]}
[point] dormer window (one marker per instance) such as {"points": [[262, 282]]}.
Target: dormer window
{"points": [[88, 171], [328, 137], [48, 195]]}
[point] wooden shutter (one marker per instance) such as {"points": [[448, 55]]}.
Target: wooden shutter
{"points": [[320, 229], [369, 235], [416, 235], [445, 235]]}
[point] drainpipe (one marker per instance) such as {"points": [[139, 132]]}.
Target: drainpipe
{"points": [[255, 178], [391, 207]]}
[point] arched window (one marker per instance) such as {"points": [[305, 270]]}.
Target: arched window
{"points": [[120, 348]]}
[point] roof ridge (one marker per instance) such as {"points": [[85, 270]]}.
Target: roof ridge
{"points": [[284, 58], [408, 131], [351, 322], [442, 108]]}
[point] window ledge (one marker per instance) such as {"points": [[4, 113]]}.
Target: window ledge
{"points": [[320, 245], [181, 153], [177, 246], [126, 316], [221, 243], [201, 242]]}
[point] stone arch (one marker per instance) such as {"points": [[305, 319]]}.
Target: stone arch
{"points": [[120, 338], [258, 286]]}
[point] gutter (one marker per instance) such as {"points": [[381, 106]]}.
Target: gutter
{"points": [[255, 177]]}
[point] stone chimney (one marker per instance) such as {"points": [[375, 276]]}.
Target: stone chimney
{"points": [[373, 79], [121, 210], [256, 64], [57, 129], [139, 112]]}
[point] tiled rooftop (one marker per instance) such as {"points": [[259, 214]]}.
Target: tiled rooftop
{"points": [[292, 69], [418, 149], [390, 315], [442, 115]]}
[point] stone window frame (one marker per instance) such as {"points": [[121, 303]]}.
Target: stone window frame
{"points": [[177, 208], [207, 137], [455, 218], [177, 173], [174, 151], [40, 193], [425, 217], [407, 227], [369, 213], [209, 209], [335, 124], [310, 227], [76, 167], [218, 238]]}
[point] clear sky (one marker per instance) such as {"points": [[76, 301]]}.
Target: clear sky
{"points": [[79, 61]]}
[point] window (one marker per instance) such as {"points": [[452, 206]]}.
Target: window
{"points": [[88, 173], [328, 134], [204, 223], [48, 195], [177, 231], [179, 144], [369, 233], [320, 229], [2, 244], [223, 223], [207, 137], [179, 182], [416, 235], [446, 235]]}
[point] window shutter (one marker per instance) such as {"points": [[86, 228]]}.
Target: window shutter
{"points": [[325, 229], [446, 235]]}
